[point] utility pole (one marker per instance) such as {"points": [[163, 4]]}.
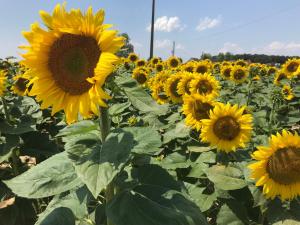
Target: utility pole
{"points": [[152, 29], [173, 49]]}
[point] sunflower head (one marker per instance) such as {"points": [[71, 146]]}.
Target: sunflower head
{"points": [[239, 74], [227, 128], [278, 166], [188, 67], [272, 70], [291, 66], [140, 74], [171, 88], [196, 108], [184, 83], [241, 62], [226, 71], [133, 57], [154, 61], [71, 60], [202, 67], [20, 85], [287, 92], [159, 67], [280, 76], [141, 63], [173, 62], [2, 82], [205, 85]]}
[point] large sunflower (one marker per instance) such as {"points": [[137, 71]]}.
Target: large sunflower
{"points": [[2, 82], [184, 84], [196, 108], [71, 60], [239, 74], [278, 166], [227, 128], [205, 85], [171, 88]]}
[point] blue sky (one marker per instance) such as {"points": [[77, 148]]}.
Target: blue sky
{"points": [[256, 26]]}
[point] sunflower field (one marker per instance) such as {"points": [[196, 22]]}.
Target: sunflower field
{"points": [[91, 138]]}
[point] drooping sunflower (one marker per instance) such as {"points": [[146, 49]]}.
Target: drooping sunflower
{"points": [[2, 82], [159, 67], [226, 71], [171, 88], [279, 76], [205, 85], [291, 66], [196, 108], [287, 92], [202, 67], [20, 85], [71, 60], [184, 84], [227, 128], [239, 74], [173, 62], [133, 57], [278, 166], [140, 74]]}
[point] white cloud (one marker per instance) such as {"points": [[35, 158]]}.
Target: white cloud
{"points": [[167, 24], [208, 23], [279, 48], [136, 44], [167, 44], [232, 48]]}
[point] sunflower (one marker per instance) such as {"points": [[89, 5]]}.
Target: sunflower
{"points": [[226, 71], [154, 61], [227, 128], [71, 61], [173, 62], [2, 82], [291, 66], [256, 78], [241, 62], [159, 94], [20, 85], [171, 88], [272, 70], [184, 84], [287, 92], [239, 74], [140, 63], [205, 85], [278, 166], [159, 67], [279, 76], [133, 57], [196, 108], [140, 74], [202, 67], [188, 67]]}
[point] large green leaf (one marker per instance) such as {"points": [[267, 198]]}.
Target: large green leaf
{"points": [[98, 164], [53, 176], [138, 97], [64, 209], [7, 145], [180, 130], [226, 178], [156, 200], [232, 213]]}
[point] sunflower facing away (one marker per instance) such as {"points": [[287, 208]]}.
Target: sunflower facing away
{"points": [[278, 166], [71, 60], [171, 88], [184, 84], [205, 85], [287, 92], [239, 74], [2, 82], [196, 108], [20, 85], [227, 128]]}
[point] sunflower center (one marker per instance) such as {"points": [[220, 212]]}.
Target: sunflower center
{"points": [[174, 62], [284, 165], [159, 68], [239, 74], [141, 78], [227, 72], [133, 58], [292, 67], [201, 110], [155, 61], [189, 69], [72, 59], [187, 87], [21, 84], [281, 77], [173, 88], [140, 63], [204, 87], [201, 69], [161, 94], [226, 128]]}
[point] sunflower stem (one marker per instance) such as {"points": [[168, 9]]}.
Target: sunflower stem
{"points": [[7, 117], [249, 94]]}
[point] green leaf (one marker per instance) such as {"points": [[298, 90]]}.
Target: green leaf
{"points": [[139, 98], [207, 157], [232, 213], [157, 200], [147, 140], [226, 178], [98, 164], [63, 209], [11, 142], [179, 131], [118, 108], [50, 177]]}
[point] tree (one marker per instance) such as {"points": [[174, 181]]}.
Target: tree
{"points": [[127, 48]]}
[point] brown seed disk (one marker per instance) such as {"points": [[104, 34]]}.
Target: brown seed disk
{"points": [[226, 128], [201, 110], [204, 87]]}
